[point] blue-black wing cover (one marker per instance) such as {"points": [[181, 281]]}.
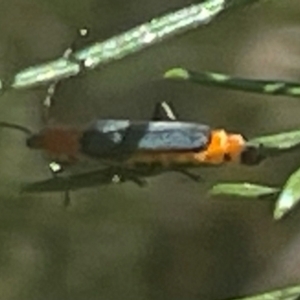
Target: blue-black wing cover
{"points": [[106, 138]]}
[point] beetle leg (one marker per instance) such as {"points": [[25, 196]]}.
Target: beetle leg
{"points": [[55, 168], [48, 101], [123, 175], [78, 42], [126, 176], [194, 177], [164, 111]]}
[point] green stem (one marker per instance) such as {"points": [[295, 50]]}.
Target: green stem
{"points": [[268, 87], [117, 47]]}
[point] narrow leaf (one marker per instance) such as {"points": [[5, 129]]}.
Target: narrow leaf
{"points": [[248, 190], [289, 293], [289, 197], [281, 141], [267, 87]]}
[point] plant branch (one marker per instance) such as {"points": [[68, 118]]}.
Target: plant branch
{"points": [[119, 46]]}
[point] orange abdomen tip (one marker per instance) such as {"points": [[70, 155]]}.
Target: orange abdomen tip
{"points": [[223, 147], [236, 144]]}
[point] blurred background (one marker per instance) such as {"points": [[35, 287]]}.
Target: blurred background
{"points": [[170, 240]]}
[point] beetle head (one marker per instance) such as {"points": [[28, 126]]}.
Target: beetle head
{"points": [[253, 155]]}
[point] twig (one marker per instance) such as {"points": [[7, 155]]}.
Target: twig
{"points": [[121, 45]]}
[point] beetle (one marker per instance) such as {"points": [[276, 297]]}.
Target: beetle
{"points": [[135, 149], [162, 143], [144, 147]]}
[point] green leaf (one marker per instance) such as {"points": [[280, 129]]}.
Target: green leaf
{"points": [[280, 141], [226, 81], [248, 190], [289, 197], [289, 293], [177, 73]]}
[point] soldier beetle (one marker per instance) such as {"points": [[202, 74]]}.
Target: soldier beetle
{"points": [[137, 149]]}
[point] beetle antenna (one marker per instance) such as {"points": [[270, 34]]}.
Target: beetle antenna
{"points": [[17, 127]]}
